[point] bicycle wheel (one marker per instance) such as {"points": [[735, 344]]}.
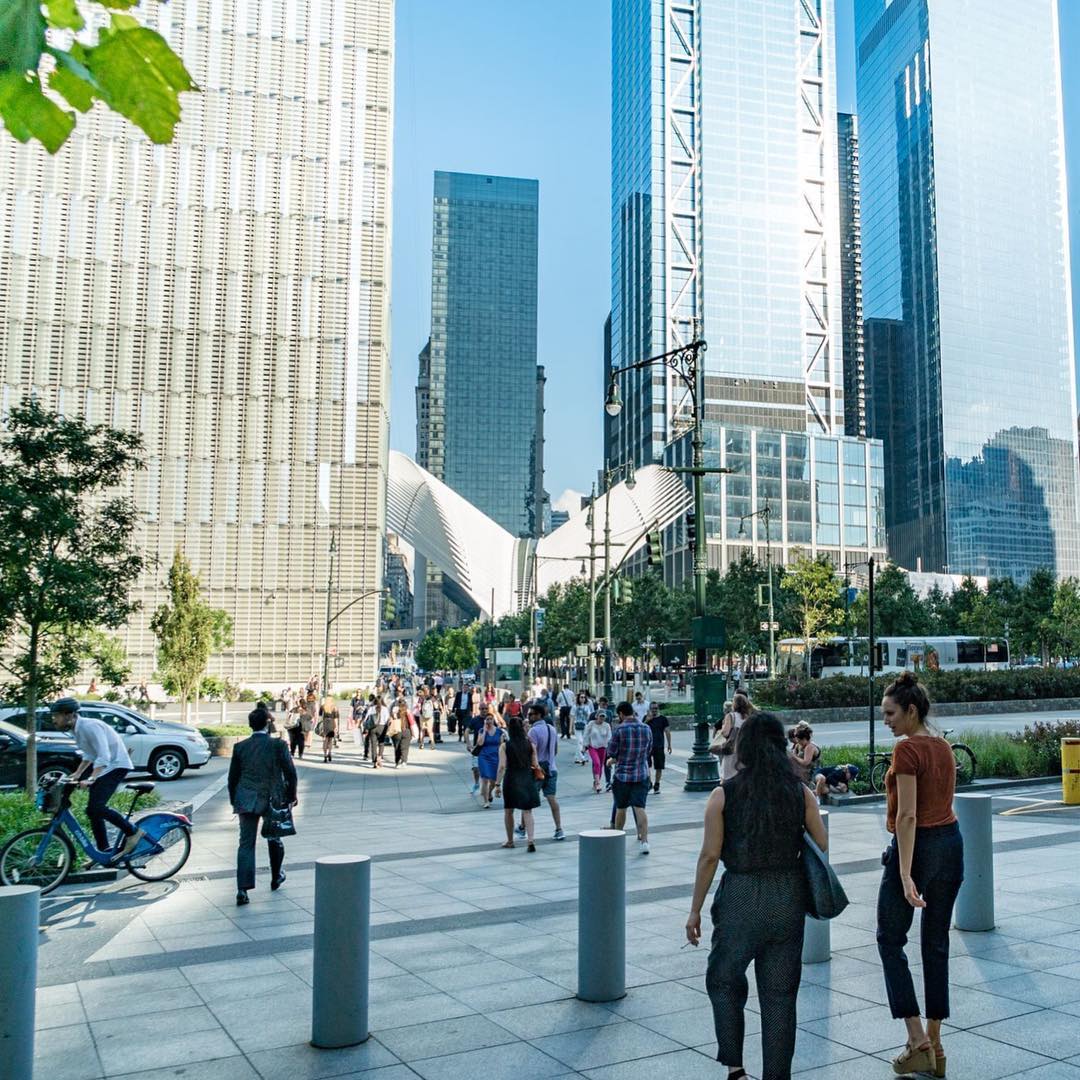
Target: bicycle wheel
{"points": [[877, 774], [965, 763], [176, 845], [19, 864]]}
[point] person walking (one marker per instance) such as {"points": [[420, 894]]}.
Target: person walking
{"points": [[487, 760], [629, 749], [581, 714], [542, 736], [104, 754], [755, 823], [393, 730], [294, 725], [565, 702], [597, 737], [261, 775], [660, 727], [427, 718], [741, 711], [376, 723], [329, 718], [640, 706], [924, 868], [516, 780]]}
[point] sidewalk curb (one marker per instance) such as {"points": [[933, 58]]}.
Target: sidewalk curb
{"points": [[990, 784]]}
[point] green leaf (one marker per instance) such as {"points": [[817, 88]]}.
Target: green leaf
{"points": [[73, 81], [28, 114], [63, 15], [140, 77], [22, 36]]}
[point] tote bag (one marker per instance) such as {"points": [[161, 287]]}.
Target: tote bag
{"points": [[825, 896]]}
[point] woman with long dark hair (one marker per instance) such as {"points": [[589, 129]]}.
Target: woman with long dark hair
{"points": [[924, 867], [517, 780], [755, 823]]}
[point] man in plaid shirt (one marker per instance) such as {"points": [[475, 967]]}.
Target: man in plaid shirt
{"points": [[630, 747]]}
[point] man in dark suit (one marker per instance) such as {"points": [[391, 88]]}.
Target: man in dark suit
{"points": [[261, 772]]}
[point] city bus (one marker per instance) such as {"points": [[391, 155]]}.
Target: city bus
{"points": [[847, 656]]}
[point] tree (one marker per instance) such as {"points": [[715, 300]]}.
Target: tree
{"points": [[898, 611], [458, 649], [814, 588], [566, 618], [734, 597], [108, 656], [127, 66], [188, 632], [655, 613], [68, 555], [1066, 618], [1031, 623], [429, 651]]}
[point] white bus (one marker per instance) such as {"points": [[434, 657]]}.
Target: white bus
{"points": [[847, 656]]}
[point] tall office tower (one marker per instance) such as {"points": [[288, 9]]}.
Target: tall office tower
{"points": [[399, 586], [851, 275], [227, 297], [480, 391], [725, 215], [966, 295], [726, 225]]}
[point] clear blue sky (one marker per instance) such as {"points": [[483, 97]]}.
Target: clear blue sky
{"points": [[523, 89]]}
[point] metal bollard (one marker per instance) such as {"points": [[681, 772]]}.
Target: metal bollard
{"points": [[19, 917], [1070, 772], [339, 994], [975, 903], [817, 941], [602, 915]]}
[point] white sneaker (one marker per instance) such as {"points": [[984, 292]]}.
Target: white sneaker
{"points": [[643, 847]]}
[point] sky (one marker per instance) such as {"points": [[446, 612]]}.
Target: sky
{"points": [[516, 88]]}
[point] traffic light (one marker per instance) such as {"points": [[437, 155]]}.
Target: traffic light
{"points": [[654, 549], [691, 529], [389, 609], [763, 595], [626, 592]]}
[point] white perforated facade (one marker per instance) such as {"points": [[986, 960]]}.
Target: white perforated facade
{"points": [[228, 297]]}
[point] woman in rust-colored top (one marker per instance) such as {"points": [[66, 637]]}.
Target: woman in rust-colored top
{"points": [[924, 867]]}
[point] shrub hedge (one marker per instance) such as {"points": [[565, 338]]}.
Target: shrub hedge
{"points": [[18, 812], [846, 691]]}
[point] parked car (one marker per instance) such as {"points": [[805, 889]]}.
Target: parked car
{"points": [[57, 755], [163, 749]]}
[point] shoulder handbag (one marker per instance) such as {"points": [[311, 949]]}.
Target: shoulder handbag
{"points": [[278, 823], [825, 896]]}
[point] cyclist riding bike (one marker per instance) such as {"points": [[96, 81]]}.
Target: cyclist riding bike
{"points": [[104, 753]]}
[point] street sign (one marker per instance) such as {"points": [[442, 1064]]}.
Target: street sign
{"points": [[339, 661], [581, 650], [775, 626], [539, 619], [674, 653]]}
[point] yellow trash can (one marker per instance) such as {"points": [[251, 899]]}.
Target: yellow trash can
{"points": [[1070, 772]]}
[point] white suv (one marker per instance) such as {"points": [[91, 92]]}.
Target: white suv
{"points": [[163, 749]]}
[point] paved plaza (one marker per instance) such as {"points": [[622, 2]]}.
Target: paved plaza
{"points": [[474, 948]]}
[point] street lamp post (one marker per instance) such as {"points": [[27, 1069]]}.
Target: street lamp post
{"points": [[592, 592], [626, 469], [702, 773]]}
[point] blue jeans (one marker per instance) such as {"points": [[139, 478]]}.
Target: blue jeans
{"points": [[937, 868]]}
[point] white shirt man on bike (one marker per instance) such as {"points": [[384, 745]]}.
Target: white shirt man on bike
{"points": [[103, 752]]}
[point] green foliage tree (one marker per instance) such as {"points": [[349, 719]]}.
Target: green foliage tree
{"points": [[68, 552], [814, 588], [429, 651], [188, 631], [1031, 623], [1066, 617], [108, 656], [566, 618], [459, 649], [897, 608], [655, 613], [734, 597], [939, 612], [51, 63]]}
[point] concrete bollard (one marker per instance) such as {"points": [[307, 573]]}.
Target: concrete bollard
{"points": [[817, 941], [602, 915], [19, 918], [224, 712], [339, 995], [975, 904], [153, 710]]}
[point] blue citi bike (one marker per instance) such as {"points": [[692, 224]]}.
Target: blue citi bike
{"points": [[45, 856]]}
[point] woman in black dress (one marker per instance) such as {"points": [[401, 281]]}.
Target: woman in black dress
{"points": [[517, 780]]}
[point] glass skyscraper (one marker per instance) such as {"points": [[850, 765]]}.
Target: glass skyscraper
{"points": [[851, 274], [966, 297], [480, 392], [726, 226]]}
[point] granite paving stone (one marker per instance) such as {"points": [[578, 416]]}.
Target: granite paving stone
{"points": [[590, 1048]]}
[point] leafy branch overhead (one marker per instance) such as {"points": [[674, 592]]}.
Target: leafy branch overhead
{"points": [[52, 62]]}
